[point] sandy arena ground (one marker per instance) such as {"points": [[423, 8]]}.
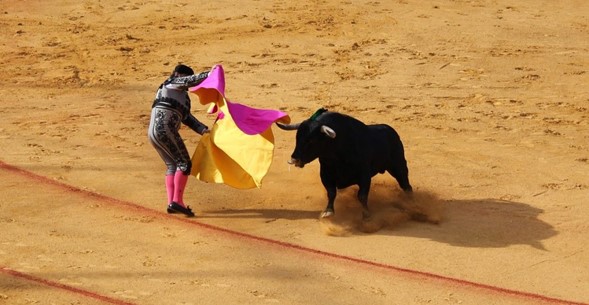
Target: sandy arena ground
{"points": [[491, 99]]}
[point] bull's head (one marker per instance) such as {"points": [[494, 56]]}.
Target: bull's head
{"points": [[311, 140]]}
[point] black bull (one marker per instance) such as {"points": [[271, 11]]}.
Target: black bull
{"points": [[350, 152]]}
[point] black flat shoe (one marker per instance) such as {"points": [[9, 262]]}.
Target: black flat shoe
{"points": [[175, 207], [170, 210]]}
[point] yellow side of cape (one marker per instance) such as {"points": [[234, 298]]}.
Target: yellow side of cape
{"points": [[227, 155]]}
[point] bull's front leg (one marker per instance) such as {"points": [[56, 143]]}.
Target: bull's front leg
{"points": [[329, 181], [329, 210]]}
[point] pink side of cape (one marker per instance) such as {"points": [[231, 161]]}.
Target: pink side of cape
{"points": [[250, 120], [215, 80]]}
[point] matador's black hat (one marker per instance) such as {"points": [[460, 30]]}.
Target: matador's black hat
{"points": [[183, 69]]}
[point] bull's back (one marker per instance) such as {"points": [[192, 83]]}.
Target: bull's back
{"points": [[385, 133], [359, 148], [386, 148]]}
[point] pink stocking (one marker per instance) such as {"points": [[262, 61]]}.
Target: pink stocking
{"points": [[170, 187], [180, 183]]}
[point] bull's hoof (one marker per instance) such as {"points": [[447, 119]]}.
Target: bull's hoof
{"points": [[366, 215], [327, 213]]}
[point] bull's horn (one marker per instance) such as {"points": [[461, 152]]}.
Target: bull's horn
{"points": [[288, 126], [328, 131]]}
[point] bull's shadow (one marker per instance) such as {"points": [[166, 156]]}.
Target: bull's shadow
{"points": [[482, 223]]}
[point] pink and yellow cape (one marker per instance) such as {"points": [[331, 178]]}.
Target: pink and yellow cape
{"points": [[239, 149]]}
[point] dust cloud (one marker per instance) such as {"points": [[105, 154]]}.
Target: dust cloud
{"points": [[389, 208]]}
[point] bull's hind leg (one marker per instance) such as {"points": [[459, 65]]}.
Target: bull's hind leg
{"points": [[363, 198], [364, 189], [401, 174]]}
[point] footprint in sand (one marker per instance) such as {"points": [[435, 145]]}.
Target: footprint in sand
{"points": [[44, 258], [126, 294]]}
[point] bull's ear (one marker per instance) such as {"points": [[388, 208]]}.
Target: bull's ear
{"points": [[328, 131]]}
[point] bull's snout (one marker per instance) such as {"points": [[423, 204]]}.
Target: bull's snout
{"points": [[296, 162]]}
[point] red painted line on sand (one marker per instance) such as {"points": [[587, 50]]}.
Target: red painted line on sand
{"points": [[49, 283], [424, 274]]}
